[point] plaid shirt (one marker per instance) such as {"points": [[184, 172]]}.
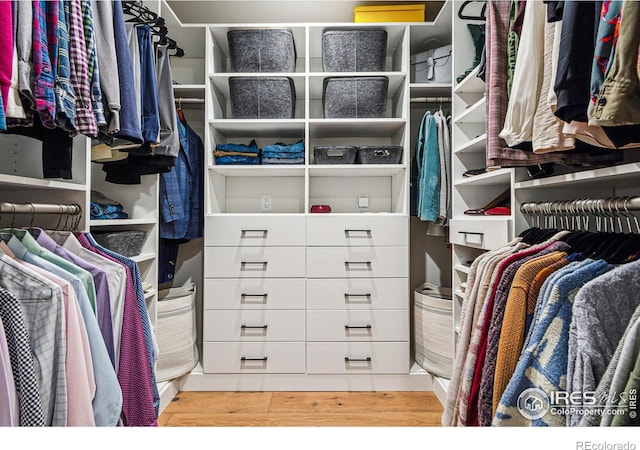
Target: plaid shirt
{"points": [[92, 59], [45, 58], [65, 97], [80, 77]]}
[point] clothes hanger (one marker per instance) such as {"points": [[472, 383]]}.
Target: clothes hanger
{"points": [[481, 16]]}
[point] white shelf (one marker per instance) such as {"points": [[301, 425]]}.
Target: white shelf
{"points": [[457, 329], [459, 293], [319, 128], [189, 90], [492, 178], [142, 257], [121, 222], [616, 176], [477, 145], [462, 268], [474, 114], [259, 171], [251, 128], [150, 293], [13, 182], [471, 88], [355, 170]]}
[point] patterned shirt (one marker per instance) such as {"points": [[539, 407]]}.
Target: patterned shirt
{"points": [[92, 60], [43, 308], [22, 365], [45, 42], [135, 370], [80, 76]]}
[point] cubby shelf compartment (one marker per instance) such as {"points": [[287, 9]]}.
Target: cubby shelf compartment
{"points": [[474, 114]]}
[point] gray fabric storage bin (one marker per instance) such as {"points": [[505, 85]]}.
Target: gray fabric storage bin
{"points": [[390, 154], [335, 154], [354, 97], [127, 243], [261, 50], [262, 97], [354, 50]]}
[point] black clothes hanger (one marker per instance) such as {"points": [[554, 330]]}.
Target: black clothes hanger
{"points": [[481, 16]]}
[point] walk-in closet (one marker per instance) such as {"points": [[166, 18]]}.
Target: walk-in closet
{"points": [[319, 213]]}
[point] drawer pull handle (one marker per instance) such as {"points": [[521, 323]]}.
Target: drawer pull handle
{"points": [[364, 327], [348, 360], [253, 359], [347, 233], [366, 297], [348, 264], [244, 264], [261, 327], [475, 233], [262, 296], [244, 233]]}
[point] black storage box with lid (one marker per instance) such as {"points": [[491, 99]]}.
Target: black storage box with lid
{"points": [[335, 155], [262, 97], [354, 97], [390, 154], [354, 50], [261, 50]]}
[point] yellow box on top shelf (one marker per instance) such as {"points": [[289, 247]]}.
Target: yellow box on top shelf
{"points": [[389, 13]]}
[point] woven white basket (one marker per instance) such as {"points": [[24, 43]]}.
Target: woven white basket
{"points": [[176, 332], [433, 334]]}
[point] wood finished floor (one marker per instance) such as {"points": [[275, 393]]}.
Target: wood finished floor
{"points": [[302, 409]]}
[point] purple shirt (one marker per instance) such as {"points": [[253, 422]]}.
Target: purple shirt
{"points": [[134, 371], [103, 299]]}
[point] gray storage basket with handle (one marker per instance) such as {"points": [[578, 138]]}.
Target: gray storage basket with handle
{"points": [[354, 50], [262, 97], [354, 97], [176, 332], [433, 329], [335, 155], [390, 154], [261, 50]]}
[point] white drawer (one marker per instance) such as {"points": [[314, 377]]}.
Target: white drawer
{"points": [[358, 325], [358, 293], [357, 357], [252, 231], [254, 293], [325, 229], [254, 262], [357, 262], [484, 232], [254, 325], [253, 357]]}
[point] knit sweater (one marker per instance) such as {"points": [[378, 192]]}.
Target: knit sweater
{"points": [[485, 388], [612, 380], [543, 364], [632, 386], [512, 332], [486, 286], [534, 290], [469, 311], [600, 316]]}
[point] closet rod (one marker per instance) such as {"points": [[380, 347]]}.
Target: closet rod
{"points": [[597, 206], [40, 208], [430, 100], [189, 100]]}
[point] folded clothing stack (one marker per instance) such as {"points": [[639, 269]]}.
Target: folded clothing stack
{"points": [[102, 207], [237, 153], [280, 153]]}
